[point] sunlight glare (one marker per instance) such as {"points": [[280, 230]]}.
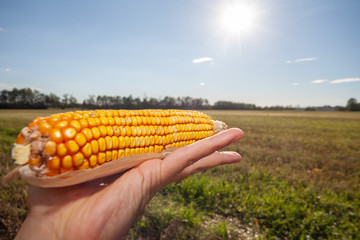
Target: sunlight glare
{"points": [[238, 18]]}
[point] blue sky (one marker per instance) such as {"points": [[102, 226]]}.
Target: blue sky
{"points": [[300, 53]]}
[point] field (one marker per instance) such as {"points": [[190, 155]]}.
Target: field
{"points": [[299, 179]]}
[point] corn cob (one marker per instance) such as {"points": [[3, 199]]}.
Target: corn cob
{"points": [[79, 140]]}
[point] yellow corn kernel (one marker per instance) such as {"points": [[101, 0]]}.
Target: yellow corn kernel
{"points": [[152, 140], [128, 121], [104, 120], [45, 128], [142, 141], [80, 139], [128, 131], [127, 152], [121, 153], [72, 146], [95, 132], [53, 163], [66, 162], [53, 119], [117, 121], [116, 131], [110, 130], [127, 141], [50, 148], [132, 142], [87, 150], [84, 165], [77, 116], [101, 157], [61, 149], [122, 131], [147, 140], [103, 131], [61, 125], [102, 144], [68, 133], [76, 125], [161, 148], [93, 160], [143, 120], [88, 133], [91, 122], [156, 148], [121, 142], [56, 135], [83, 123], [108, 141], [115, 142], [151, 149], [114, 154], [108, 156], [111, 121], [66, 116], [34, 161], [78, 159], [94, 146]]}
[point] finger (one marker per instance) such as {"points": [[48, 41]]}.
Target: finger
{"points": [[185, 156], [211, 161]]}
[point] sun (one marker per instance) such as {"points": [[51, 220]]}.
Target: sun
{"points": [[238, 18]]}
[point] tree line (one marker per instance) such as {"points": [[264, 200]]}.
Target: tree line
{"points": [[33, 99]]}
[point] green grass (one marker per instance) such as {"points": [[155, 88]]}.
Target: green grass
{"points": [[299, 179], [12, 197]]}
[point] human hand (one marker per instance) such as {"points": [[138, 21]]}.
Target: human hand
{"points": [[107, 208]]}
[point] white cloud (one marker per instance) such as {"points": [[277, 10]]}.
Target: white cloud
{"points": [[201, 60], [7, 70], [295, 84], [1, 29], [317, 81], [309, 59], [201, 84], [346, 80]]}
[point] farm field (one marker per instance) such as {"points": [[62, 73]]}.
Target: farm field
{"points": [[299, 179]]}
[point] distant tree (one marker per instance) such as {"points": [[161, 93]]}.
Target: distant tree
{"points": [[72, 101], [352, 105], [128, 102], [89, 102], [153, 103], [4, 98], [52, 100], [137, 103], [65, 101]]}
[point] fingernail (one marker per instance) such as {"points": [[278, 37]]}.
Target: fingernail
{"points": [[238, 136], [236, 157]]}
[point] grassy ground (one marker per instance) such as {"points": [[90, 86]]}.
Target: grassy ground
{"points": [[299, 179]]}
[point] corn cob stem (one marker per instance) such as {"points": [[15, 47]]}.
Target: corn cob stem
{"points": [[87, 139]]}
